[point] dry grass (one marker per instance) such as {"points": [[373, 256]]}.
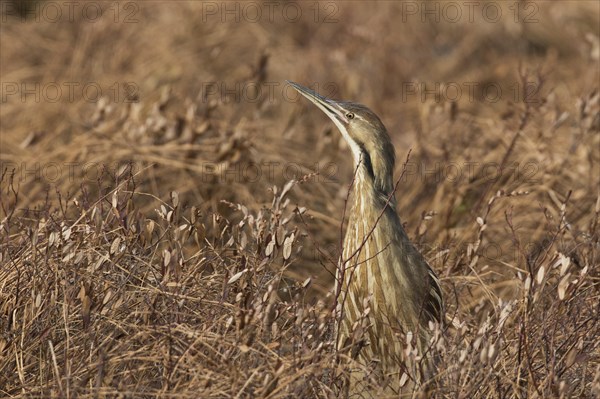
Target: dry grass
{"points": [[168, 241]]}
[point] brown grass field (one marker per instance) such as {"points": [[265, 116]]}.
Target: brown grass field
{"points": [[171, 211]]}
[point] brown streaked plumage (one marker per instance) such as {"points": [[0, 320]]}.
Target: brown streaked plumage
{"points": [[380, 268]]}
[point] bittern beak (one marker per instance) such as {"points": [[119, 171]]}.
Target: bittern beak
{"points": [[331, 108]]}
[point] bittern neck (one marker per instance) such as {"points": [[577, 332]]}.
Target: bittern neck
{"points": [[374, 174], [370, 190]]}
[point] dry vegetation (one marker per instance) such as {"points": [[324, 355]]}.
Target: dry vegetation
{"points": [[168, 241]]}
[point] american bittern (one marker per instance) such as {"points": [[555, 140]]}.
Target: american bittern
{"points": [[386, 284]]}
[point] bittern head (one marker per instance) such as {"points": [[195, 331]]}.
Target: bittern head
{"points": [[365, 134]]}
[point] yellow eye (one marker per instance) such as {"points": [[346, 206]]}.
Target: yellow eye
{"points": [[350, 115]]}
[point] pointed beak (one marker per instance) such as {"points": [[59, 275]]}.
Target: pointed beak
{"points": [[331, 108]]}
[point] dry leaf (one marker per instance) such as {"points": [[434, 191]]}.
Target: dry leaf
{"points": [[540, 275], [167, 257], [66, 233], [287, 246], [115, 245], [236, 276], [174, 198], [115, 200], [270, 248], [244, 348], [562, 286]]}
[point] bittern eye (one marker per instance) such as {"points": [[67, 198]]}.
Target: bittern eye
{"points": [[350, 115]]}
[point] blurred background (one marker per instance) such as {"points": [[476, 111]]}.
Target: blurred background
{"points": [[193, 96], [496, 102]]}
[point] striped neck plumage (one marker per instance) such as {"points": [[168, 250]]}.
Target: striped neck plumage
{"points": [[370, 189], [373, 171]]}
